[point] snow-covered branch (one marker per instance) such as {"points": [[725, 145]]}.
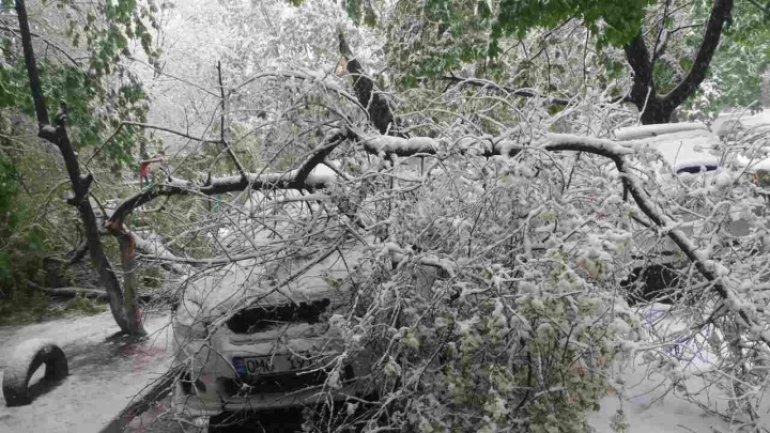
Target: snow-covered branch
{"points": [[647, 205], [615, 151], [310, 175], [152, 245], [490, 146]]}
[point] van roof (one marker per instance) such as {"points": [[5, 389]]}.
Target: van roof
{"points": [[684, 146]]}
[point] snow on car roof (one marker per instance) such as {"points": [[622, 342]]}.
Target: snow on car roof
{"points": [[759, 123], [753, 164], [761, 119], [747, 121], [684, 146]]}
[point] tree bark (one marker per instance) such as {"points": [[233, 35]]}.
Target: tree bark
{"points": [[655, 108], [376, 105], [80, 184]]}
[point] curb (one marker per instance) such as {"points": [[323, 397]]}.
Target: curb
{"points": [[154, 392]]}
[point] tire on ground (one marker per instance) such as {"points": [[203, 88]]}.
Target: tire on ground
{"points": [[26, 359]]}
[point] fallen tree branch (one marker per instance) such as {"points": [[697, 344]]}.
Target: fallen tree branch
{"points": [[95, 294], [158, 250], [71, 292], [58, 136], [703, 264], [301, 178], [613, 150]]}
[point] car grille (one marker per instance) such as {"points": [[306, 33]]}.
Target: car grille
{"points": [[280, 383], [263, 318]]}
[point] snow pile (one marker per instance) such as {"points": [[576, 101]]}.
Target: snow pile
{"points": [[667, 386]]}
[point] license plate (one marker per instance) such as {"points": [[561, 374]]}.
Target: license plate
{"points": [[257, 365]]}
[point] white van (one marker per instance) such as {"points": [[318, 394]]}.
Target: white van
{"points": [[688, 150]]}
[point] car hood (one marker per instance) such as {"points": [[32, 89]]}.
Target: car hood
{"points": [[295, 280]]}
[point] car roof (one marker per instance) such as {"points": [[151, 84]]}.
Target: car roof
{"points": [[683, 146], [746, 120], [758, 123]]}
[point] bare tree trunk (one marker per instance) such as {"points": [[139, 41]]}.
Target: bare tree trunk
{"points": [[80, 184], [130, 284], [380, 114], [655, 108]]}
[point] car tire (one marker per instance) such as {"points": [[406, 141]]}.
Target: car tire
{"points": [[27, 358]]}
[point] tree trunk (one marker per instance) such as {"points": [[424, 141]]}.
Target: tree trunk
{"points": [[656, 111], [80, 184], [655, 108], [380, 114], [130, 285]]}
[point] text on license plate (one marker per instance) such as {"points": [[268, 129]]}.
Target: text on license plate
{"points": [[253, 365]]}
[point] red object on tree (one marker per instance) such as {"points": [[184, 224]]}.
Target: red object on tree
{"points": [[145, 169]]}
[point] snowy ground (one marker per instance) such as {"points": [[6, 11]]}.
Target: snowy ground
{"points": [[648, 408], [104, 376], [646, 398]]}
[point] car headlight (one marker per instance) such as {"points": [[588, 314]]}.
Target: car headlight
{"points": [[195, 329]]}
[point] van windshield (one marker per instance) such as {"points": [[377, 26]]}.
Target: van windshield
{"points": [[693, 169]]}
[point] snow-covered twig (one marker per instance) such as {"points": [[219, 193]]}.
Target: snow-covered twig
{"points": [[303, 177]]}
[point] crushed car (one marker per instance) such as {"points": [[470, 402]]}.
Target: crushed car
{"points": [[253, 336]]}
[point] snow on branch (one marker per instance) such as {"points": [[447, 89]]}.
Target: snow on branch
{"points": [[310, 175], [705, 266], [324, 80], [615, 151], [153, 246], [401, 255], [488, 84], [391, 145], [490, 146]]}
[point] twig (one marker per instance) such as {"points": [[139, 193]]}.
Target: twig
{"points": [[47, 42], [223, 124]]}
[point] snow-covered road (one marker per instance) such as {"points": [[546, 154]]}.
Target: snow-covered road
{"points": [[104, 375]]}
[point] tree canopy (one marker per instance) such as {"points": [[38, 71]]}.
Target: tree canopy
{"points": [[477, 166], [428, 40]]}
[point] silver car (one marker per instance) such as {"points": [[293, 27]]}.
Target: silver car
{"points": [[252, 337]]}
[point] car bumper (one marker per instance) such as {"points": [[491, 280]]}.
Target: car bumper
{"points": [[210, 404], [210, 385]]}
